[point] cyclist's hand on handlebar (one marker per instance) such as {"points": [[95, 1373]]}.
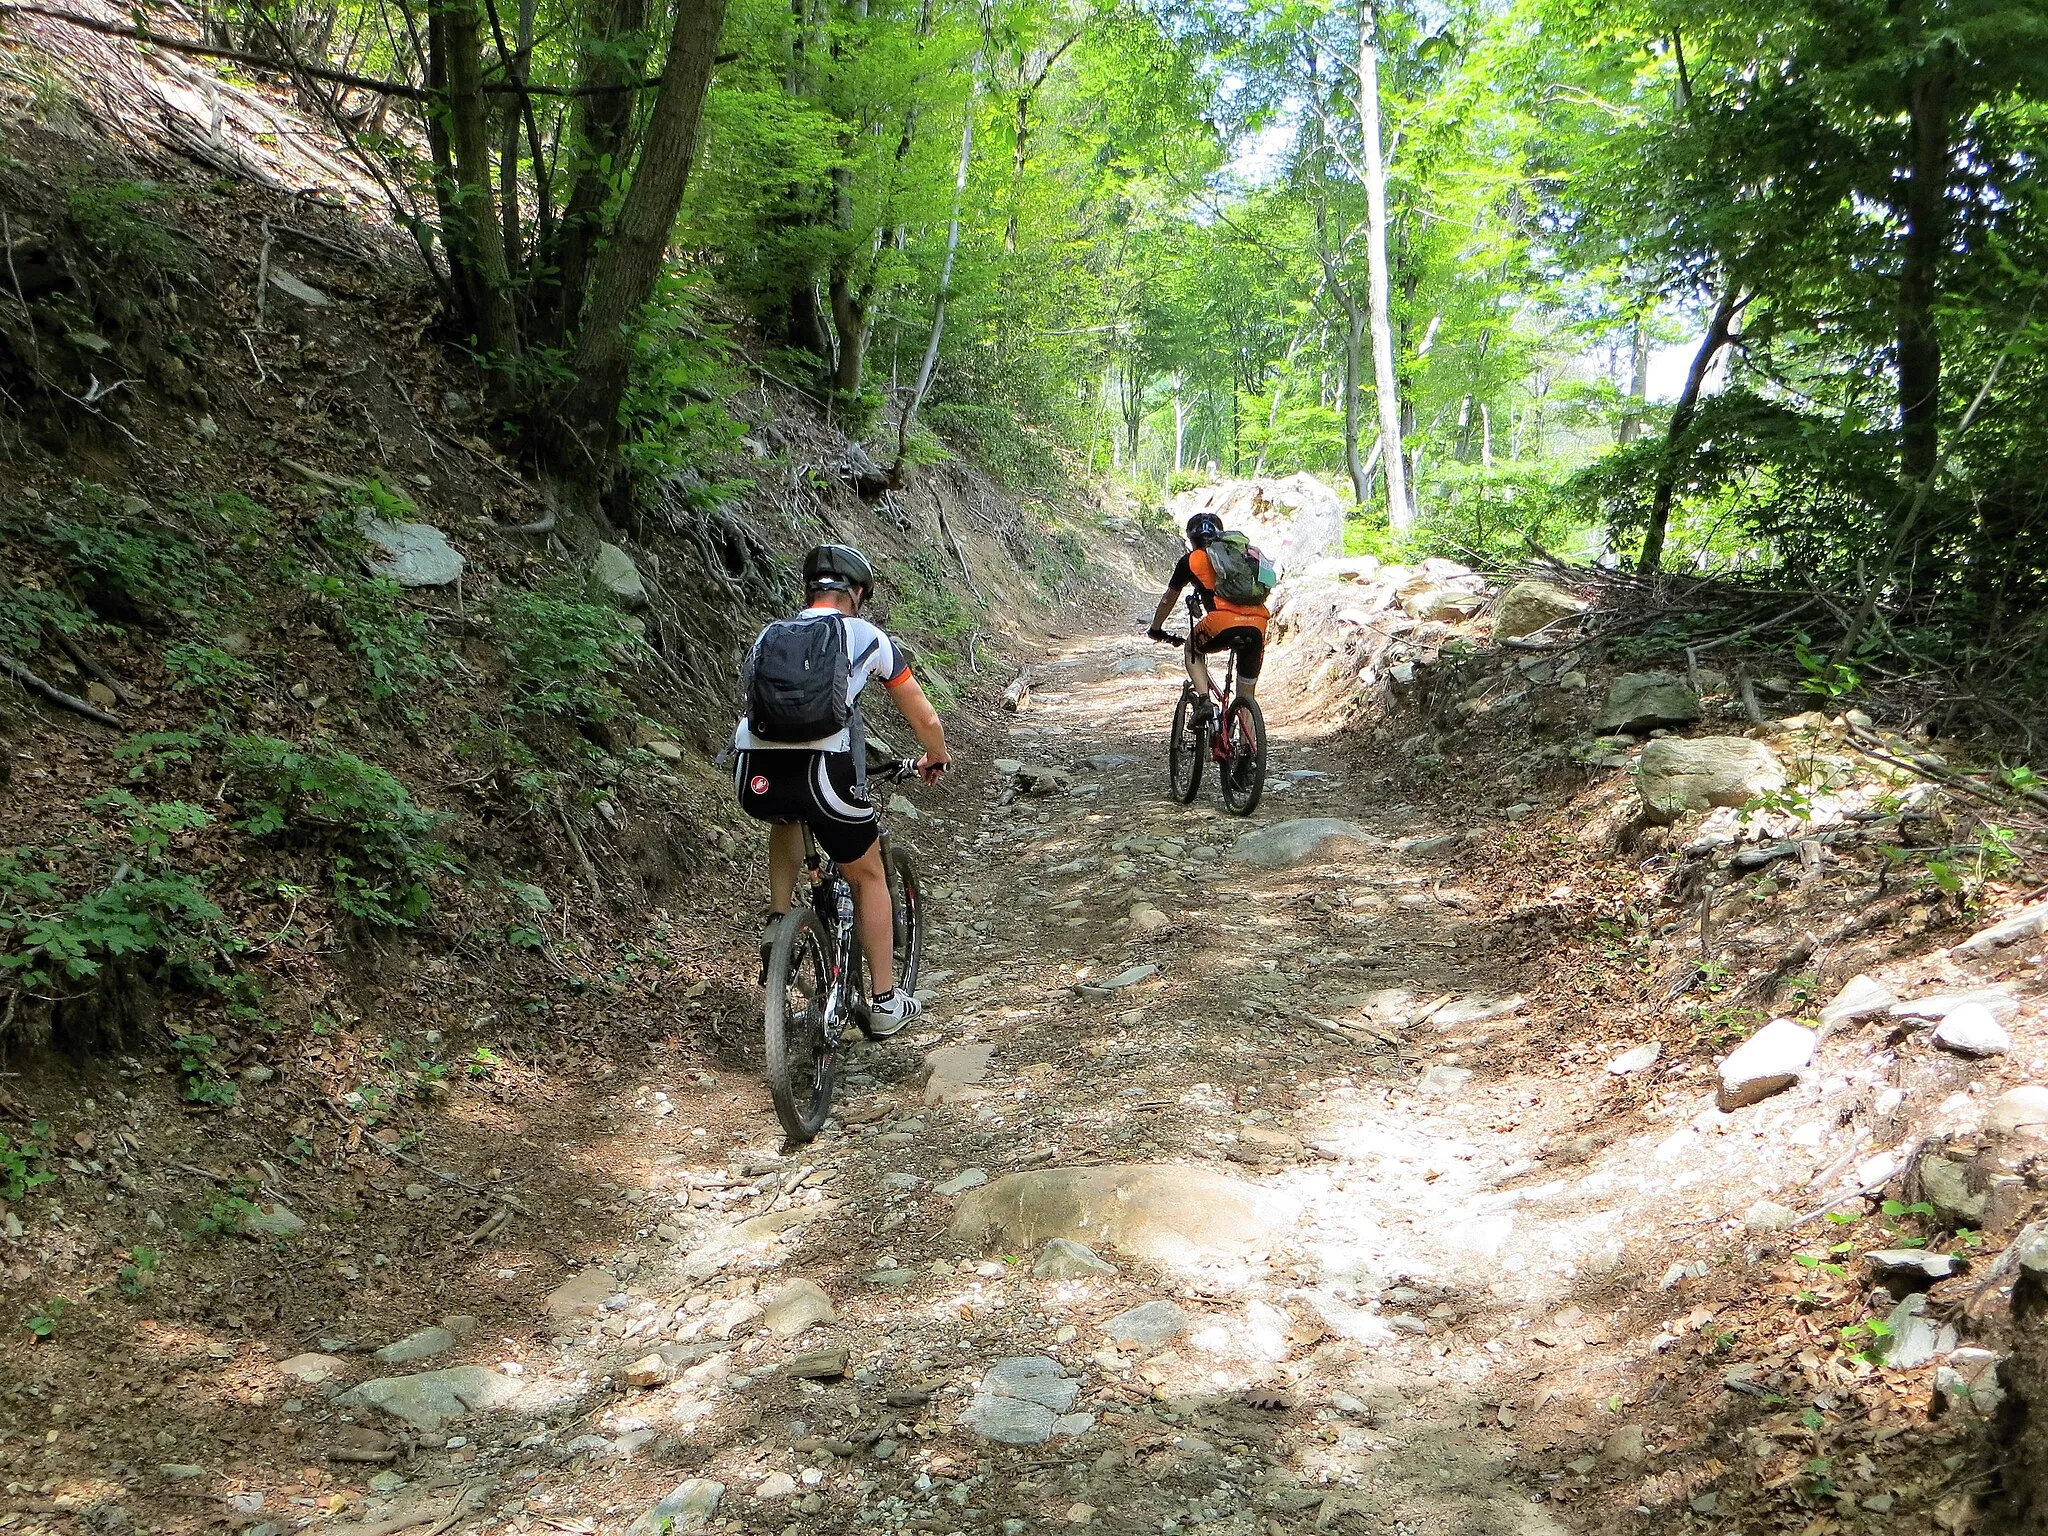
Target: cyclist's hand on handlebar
{"points": [[931, 769], [1165, 636]]}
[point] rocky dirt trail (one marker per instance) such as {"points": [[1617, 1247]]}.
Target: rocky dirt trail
{"points": [[1254, 1070], [1235, 1185]]}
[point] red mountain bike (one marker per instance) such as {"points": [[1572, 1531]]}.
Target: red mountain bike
{"points": [[1224, 729]]}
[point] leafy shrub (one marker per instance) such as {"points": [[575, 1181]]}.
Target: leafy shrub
{"points": [[1470, 512], [21, 1162], [120, 551], [384, 845], [563, 651], [27, 613], [206, 668], [671, 413], [206, 1082], [45, 935], [106, 216], [397, 649]]}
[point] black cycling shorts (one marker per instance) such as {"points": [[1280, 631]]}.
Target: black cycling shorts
{"points": [[1241, 640], [826, 791]]}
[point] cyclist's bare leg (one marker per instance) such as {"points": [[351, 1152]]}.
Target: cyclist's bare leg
{"points": [[1247, 687], [1198, 670], [785, 860], [874, 916]]}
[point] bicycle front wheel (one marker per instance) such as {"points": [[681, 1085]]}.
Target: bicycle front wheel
{"points": [[801, 1063], [1244, 770], [1185, 750]]}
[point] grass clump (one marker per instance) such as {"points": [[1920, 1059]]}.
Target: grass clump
{"points": [[382, 846], [564, 651], [396, 647]]}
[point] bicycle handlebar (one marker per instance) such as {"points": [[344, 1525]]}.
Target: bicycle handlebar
{"points": [[903, 769], [1168, 637]]}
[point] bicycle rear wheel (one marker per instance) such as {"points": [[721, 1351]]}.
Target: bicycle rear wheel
{"points": [[906, 908], [1244, 774], [1185, 749], [801, 1065]]}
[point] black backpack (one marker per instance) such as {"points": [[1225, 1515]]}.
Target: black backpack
{"points": [[796, 679]]}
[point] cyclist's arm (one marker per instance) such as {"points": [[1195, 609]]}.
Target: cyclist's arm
{"points": [[915, 708], [1165, 608]]}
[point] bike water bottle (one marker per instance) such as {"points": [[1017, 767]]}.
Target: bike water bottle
{"points": [[845, 904]]}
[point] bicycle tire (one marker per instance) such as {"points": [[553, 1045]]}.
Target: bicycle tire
{"points": [[1185, 749], [1244, 775], [801, 1073], [906, 909]]}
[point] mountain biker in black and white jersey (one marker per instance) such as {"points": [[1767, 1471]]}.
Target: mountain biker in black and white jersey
{"points": [[823, 784]]}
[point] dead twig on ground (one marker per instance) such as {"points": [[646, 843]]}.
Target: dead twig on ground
{"points": [[49, 690]]}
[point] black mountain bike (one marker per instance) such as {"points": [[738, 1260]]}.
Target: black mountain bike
{"points": [[1231, 732], [817, 981]]}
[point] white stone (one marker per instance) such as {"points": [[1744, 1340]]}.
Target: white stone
{"points": [[2019, 1114], [1528, 606], [1640, 701], [1768, 1061], [1638, 1059], [690, 1506], [1064, 1259], [429, 1399], [1970, 1030], [1148, 1325], [1679, 774], [613, 570], [796, 1306]]}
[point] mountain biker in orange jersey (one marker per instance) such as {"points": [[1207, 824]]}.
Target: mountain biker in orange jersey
{"points": [[1218, 625], [823, 782]]}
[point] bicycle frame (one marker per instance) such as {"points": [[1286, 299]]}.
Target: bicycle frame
{"points": [[831, 897]]}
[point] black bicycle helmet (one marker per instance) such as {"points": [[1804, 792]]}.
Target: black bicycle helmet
{"points": [[1203, 527], [838, 568]]}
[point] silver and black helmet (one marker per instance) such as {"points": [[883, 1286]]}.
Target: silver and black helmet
{"points": [[838, 568]]}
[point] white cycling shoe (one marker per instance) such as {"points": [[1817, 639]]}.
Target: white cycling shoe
{"points": [[888, 1015]]}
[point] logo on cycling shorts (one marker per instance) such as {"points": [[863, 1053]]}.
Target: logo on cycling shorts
{"points": [[758, 784]]}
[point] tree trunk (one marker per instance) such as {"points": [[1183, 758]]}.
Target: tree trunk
{"points": [[1180, 426], [928, 365], [1400, 514], [1718, 330], [462, 154], [600, 139], [1354, 340], [625, 271], [1926, 212], [1638, 382]]}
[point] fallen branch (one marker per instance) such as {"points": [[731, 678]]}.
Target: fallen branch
{"points": [[54, 694], [85, 663]]}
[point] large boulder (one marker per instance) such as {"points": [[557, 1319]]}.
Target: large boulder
{"points": [[1171, 1215], [1642, 701], [411, 554], [429, 1399], [618, 577], [1285, 844], [1679, 774], [1528, 606]]}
